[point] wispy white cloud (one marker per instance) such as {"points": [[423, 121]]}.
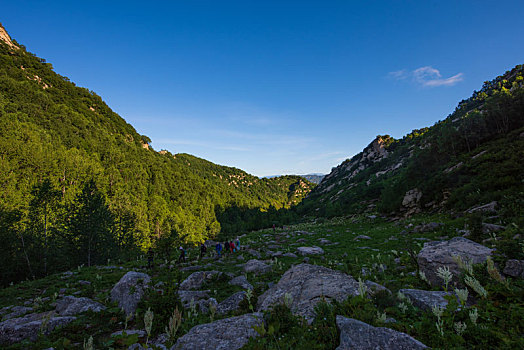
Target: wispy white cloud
{"points": [[427, 76]]}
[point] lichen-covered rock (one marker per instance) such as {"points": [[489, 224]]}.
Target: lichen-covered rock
{"points": [[310, 251], [357, 335], [374, 288], [197, 279], [187, 295], [16, 311], [514, 268], [129, 291], [242, 282], [17, 329], [229, 333], [256, 267], [443, 254], [70, 306], [290, 255], [231, 304], [426, 299], [255, 253], [306, 286]]}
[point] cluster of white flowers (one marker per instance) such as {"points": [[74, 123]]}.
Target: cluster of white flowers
{"points": [[476, 286], [444, 274]]}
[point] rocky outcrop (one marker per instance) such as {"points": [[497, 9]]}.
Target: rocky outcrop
{"points": [[514, 268], [15, 311], [411, 201], [186, 296], [305, 286], [229, 333], [231, 304], [256, 266], [357, 335], [443, 254], [310, 251], [241, 281], [486, 208], [425, 299], [129, 290], [6, 38], [197, 279], [28, 327], [70, 306]]}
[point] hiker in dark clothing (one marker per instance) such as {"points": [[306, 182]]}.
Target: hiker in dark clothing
{"points": [[226, 247], [150, 257], [218, 248], [203, 250], [182, 255], [274, 228]]}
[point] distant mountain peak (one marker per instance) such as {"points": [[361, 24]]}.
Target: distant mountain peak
{"points": [[4, 36]]}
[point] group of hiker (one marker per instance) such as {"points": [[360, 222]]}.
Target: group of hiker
{"points": [[227, 248]]}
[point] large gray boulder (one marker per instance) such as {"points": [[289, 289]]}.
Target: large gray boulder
{"points": [[310, 251], [187, 295], [229, 333], [16, 311], [70, 306], [231, 304], [256, 267], [197, 279], [443, 254], [129, 290], [425, 299], [307, 285], [514, 268], [28, 327], [357, 335], [242, 282]]}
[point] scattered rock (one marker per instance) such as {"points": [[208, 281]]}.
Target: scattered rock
{"points": [[310, 250], [205, 304], [28, 327], [84, 283], [276, 254], [361, 237], [488, 228], [514, 268], [256, 267], [70, 306], [324, 241], [432, 226], [187, 295], [425, 299], [229, 333], [255, 253], [357, 335], [307, 285], [197, 279], [16, 311], [141, 333], [191, 268], [290, 255], [486, 208], [231, 304], [129, 290], [241, 281], [443, 254], [374, 288]]}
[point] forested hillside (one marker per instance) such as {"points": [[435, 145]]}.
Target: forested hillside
{"points": [[471, 157], [80, 185]]}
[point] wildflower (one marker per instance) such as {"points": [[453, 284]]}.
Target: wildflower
{"points": [[148, 322], [288, 299], [475, 285], [460, 327], [492, 271], [381, 317], [463, 265], [362, 288], [462, 295], [174, 323], [437, 310], [89, 344], [474, 315], [445, 275], [403, 307], [423, 277]]}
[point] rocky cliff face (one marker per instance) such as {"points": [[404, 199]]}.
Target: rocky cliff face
{"points": [[374, 152], [6, 38]]}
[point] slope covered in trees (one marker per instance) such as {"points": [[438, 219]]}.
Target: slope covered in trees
{"points": [[66, 157], [473, 156]]}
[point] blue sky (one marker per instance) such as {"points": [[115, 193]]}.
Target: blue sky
{"points": [[274, 87]]}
